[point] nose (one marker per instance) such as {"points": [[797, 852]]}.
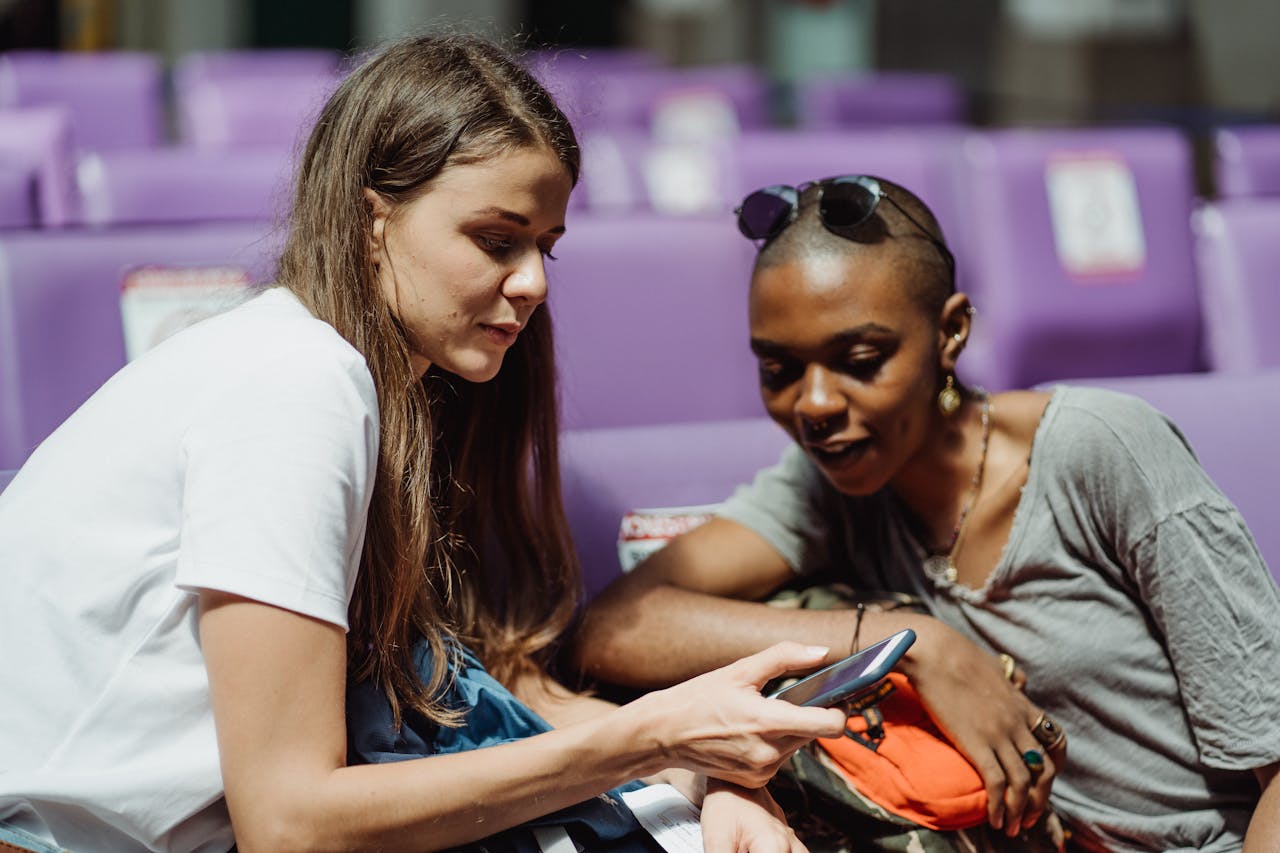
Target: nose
{"points": [[819, 400], [527, 282]]}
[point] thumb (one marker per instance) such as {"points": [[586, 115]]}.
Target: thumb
{"points": [[779, 659]]}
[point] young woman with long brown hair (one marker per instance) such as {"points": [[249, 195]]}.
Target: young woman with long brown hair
{"points": [[315, 486]]}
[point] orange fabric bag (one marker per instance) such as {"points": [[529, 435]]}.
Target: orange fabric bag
{"points": [[908, 766]]}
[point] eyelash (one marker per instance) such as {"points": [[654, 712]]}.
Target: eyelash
{"points": [[497, 247]]}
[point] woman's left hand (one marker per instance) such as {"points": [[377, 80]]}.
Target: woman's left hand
{"points": [[742, 820]]}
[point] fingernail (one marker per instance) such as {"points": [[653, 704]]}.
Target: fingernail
{"points": [[817, 651]]}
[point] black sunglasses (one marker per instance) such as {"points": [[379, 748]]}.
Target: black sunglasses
{"points": [[844, 203]]}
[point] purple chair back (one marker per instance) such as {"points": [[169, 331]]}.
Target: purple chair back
{"points": [[651, 321], [1229, 420], [1237, 256], [1081, 254], [17, 196], [39, 140], [60, 311], [199, 67], [882, 98], [607, 473], [115, 98], [5, 477], [237, 112], [1247, 161], [184, 185], [651, 98]]}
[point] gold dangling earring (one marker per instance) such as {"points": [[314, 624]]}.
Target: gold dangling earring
{"points": [[949, 397]]}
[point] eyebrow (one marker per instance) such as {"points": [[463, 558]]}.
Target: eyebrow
{"points": [[763, 346], [512, 216]]}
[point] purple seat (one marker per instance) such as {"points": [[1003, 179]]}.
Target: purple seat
{"points": [[625, 171], [881, 98], [60, 311], [17, 196], [696, 102], [1247, 160], [609, 472], [1080, 252], [651, 321], [244, 111], [1229, 420], [115, 99], [39, 140], [5, 477], [184, 184], [1237, 256], [199, 67]]}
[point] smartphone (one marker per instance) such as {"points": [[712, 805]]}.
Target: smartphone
{"points": [[844, 679]]}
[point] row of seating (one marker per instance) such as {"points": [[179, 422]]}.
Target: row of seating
{"points": [[651, 310], [121, 99], [611, 472]]}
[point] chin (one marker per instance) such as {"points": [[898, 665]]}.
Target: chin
{"points": [[477, 370]]}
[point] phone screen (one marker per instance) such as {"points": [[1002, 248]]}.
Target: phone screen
{"points": [[842, 679]]}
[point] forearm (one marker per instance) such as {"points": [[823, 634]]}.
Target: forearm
{"points": [[446, 800], [654, 635], [1264, 829]]}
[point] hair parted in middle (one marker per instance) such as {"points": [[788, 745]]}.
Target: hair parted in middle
{"points": [[467, 537]]}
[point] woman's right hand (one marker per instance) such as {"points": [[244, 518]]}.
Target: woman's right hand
{"points": [[987, 717], [720, 725]]}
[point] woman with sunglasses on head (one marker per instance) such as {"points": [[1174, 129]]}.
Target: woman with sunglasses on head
{"points": [[353, 475], [1071, 530]]}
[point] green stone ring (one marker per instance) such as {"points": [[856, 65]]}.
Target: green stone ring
{"points": [[1034, 759]]}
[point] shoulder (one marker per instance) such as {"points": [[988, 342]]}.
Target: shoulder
{"points": [[1087, 416], [272, 345]]}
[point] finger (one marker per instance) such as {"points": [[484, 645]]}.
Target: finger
{"points": [[993, 780], [1018, 777], [1038, 796], [778, 659]]}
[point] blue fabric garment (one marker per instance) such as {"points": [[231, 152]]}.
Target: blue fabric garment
{"points": [[494, 716]]}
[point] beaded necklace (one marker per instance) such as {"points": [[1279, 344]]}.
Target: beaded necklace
{"points": [[943, 566]]}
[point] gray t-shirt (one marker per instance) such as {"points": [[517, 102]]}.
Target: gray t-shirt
{"points": [[1131, 593]]}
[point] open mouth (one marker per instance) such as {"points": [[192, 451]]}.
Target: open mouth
{"points": [[838, 454]]}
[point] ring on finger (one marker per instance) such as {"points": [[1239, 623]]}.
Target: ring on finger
{"points": [[1047, 731], [1010, 666], [1034, 759]]}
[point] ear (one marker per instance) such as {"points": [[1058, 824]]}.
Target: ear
{"points": [[954, 324], [381, 210]]}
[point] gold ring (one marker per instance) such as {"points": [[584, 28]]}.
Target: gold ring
{"points": [[1048, 732], [1010, 666]]}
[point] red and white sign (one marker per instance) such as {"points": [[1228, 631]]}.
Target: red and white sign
{"points": [[157, 301], [1097, 223], [644, 531]]}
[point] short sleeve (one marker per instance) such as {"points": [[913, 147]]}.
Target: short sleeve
{"points": [[279, 469], [786, 505], [1199, 574]]}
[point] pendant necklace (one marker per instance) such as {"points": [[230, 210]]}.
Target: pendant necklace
{"points": [[942, 566]]}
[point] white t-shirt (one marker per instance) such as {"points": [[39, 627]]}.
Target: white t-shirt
{"points": [[238, 455]]}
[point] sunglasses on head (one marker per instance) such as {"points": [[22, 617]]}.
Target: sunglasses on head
{"points": [[844, 203]]}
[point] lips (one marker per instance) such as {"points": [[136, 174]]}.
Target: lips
{"points": [[838, 454], [503, 334]]}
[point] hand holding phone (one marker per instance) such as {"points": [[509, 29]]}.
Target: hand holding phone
{"points": [[847, 678]]}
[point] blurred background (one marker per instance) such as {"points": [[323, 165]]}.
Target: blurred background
{"points": [[1107, 173]]}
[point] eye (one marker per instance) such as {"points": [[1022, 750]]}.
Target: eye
{"points": [[492, 244], [546, 253], [863, 364], [777, 373]]}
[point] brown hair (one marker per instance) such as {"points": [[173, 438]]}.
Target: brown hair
{"points": [[466, 535]]}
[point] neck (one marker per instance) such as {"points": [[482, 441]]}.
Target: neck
{"points": [[938, 481]]}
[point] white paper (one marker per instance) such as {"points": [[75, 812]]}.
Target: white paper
{"points": [[672, 820], [1097, 224], [155, 302], [554, 839]]}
